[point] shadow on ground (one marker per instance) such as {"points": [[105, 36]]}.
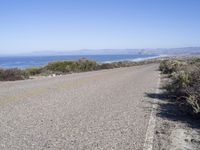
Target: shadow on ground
{"points": [[169, 109]]}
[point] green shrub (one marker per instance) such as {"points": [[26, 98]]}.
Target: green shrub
{"points": [[86, 65], [72, 66], [34, 71], [58, 66], [12, 74]]}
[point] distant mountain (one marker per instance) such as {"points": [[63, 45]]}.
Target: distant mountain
{"points": [[89, 52], [158, 51], [176, 51]]}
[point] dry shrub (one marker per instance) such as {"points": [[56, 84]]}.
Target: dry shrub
{"points": [[12, 74], [193, 92], [184, 83]]}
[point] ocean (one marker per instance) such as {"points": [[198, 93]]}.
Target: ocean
{"points": [[23, 62]]}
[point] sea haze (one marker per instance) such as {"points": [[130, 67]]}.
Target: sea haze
{"points": [[38, 61]]}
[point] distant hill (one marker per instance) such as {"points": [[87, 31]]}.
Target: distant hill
{"points": [[176, 51], [158, 51]]}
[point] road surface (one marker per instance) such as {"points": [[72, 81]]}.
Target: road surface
{"points": [[105, 109]]}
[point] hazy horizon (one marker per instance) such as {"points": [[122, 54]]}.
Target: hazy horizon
{"points": [[96, 51]]}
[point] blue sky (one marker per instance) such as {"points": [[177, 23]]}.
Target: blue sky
{"points": [[40, 25]]}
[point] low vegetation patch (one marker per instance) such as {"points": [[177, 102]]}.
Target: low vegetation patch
{"points": [[12, 74], [72, 66], [184, 83], [34, 71]]}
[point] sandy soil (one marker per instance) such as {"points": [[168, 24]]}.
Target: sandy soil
{"points": [[175, 130]]}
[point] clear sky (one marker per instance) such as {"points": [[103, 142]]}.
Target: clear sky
{"points": [[39, 25]]}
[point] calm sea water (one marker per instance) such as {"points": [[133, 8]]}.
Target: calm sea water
{"points": [[36, 61]]}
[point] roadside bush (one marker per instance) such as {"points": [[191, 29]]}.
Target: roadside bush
{"points": [[34, 71], [125, 64], [86, 65], [193, 92], [179, 81], [72, 66], [193, 100], [184, 84], [59, 66], [106, 66], [12, 74], [117, 65], [170, 66]]}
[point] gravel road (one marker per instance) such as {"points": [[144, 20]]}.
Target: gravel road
{"points": [[96, 110]]}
